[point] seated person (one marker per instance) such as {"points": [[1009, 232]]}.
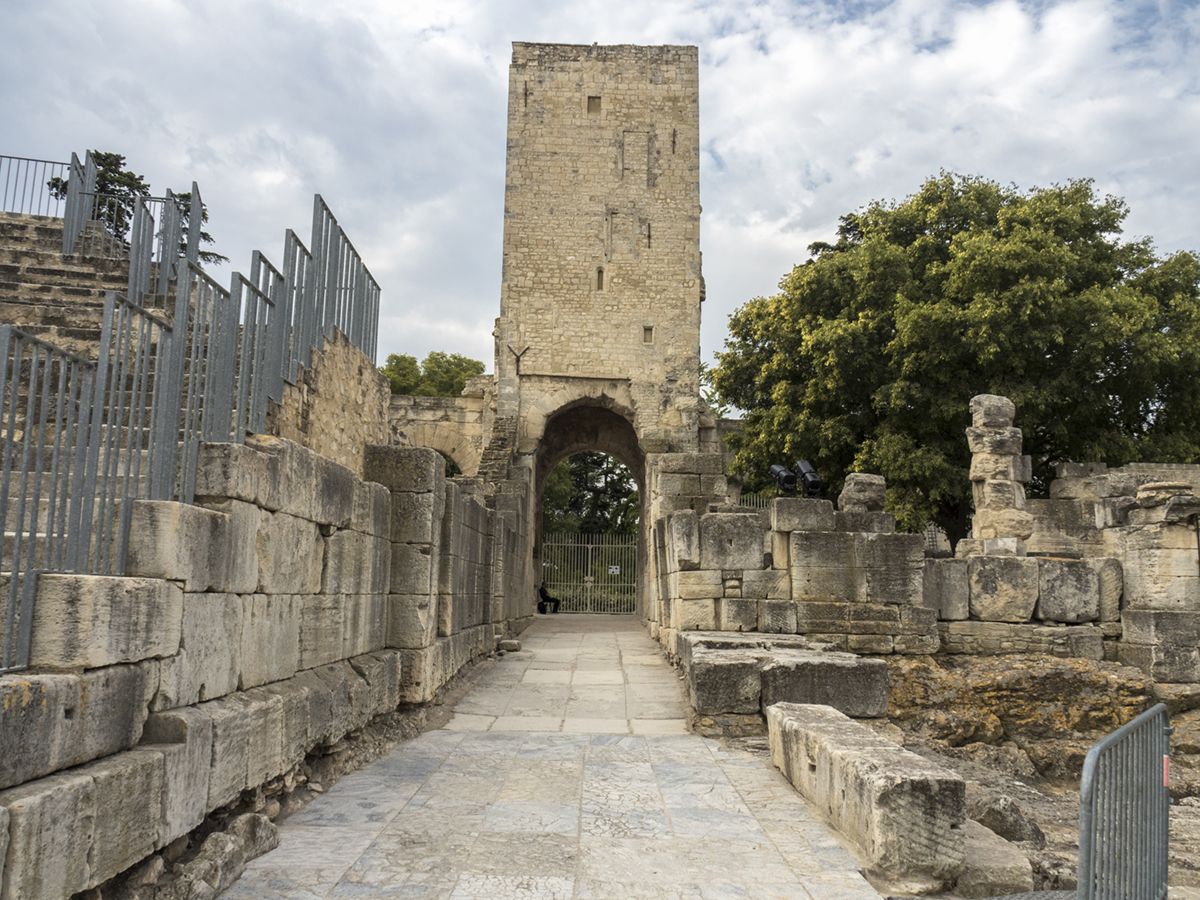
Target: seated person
{"points": [[547, 603]]}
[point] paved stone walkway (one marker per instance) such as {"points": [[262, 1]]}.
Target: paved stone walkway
{"points": [[566, 772]]}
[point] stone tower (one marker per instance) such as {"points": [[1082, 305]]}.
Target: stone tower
{"points": [[601, 282]]}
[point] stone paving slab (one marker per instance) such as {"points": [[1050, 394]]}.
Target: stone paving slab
{"points": [[566, 772]]}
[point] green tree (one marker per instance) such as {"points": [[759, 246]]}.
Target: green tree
{"points": [[590, 492], [120, 188], [867, 357], [440, 375]]}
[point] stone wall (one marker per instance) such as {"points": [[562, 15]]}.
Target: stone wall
{"points": [[287, 608], [338, 405], [451, 425]]}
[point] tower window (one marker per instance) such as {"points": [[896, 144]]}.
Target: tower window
{"points": [[593, 106], [647, 235], [647, 334], [600, 278]]}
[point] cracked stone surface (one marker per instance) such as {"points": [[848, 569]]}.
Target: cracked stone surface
{"points": [[566, 772]]}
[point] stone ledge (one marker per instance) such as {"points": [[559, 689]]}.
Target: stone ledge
{"points": [[905, 815], [999, 638]]}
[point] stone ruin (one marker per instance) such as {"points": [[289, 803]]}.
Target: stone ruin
{"points": [[329, 579]]}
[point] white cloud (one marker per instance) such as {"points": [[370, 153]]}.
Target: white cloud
{"points": [[395, 112]]}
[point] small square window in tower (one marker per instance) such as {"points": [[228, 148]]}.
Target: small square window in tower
{"points": [[647, 334], [593, 106]]}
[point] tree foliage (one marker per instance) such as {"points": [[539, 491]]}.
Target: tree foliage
{"points": [[867, 357], [122, 188], [590, 492], [440, 375]]}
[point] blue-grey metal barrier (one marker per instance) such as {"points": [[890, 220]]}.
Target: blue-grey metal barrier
{"points": [[25, 188], [1124, 810]]}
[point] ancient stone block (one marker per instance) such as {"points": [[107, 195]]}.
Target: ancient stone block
{"points": [[889, 568], [903, 814], [862, 492], [95, 620], [1002, 589], [822, 565], [229, 471], [986, 466], [683, 541], [777, 616], [992, 411], [737, 614], [1165, 644], [860, 520], [998, 494], [690, 463], [731, 541], [50, 829], [209, 657], [364, 624], [1068, 591], [270, 639], [178, 541], [297, 707], [407, 469], [870, 643], [704, 583], [679, 484], [129, 791], [801, 514], [767, 584], [1110, 578], [320, 706], [265, 753], [1001, 523], [998, 638], [694, 614], [411, 620], [353, 564], [238, 569], [993, 867], [724, 681], [290, 555], [855, 686], [184, 738], [310, 486], [416, 518], [231, 725], [372, 509], [946, 588], [1001, 441], [321, 627]]}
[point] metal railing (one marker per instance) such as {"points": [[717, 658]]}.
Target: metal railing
{"points": [[591, 573], [344, 292], [1124, 812], [25, 185]]}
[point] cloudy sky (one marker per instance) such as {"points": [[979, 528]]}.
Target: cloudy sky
{"points": [[395, 111]]}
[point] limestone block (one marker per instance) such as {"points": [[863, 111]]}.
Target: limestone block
{"points": [[993, 867], [862, 492], [230, 471], [405, 469], [296, 708], [355, 563], [683, 541], [310, 486], [1068, 591], [1001, 441], [371, 509], [129, 811], [1002, 547], [349, 696], [412, 567], [737, 614], [902, 813], [801, 514], [416, 518], [95, 620], [51, 722], [689, 463], [767, 584], [855, 686], [724, 681], [237, 571], [381, 679], [1162, 577], [870, 643], [860, 520], [889, 568], [1001, 466], [1002, 589], [731, 541], [231, 727], [998, 494], [364, 625], [321, 629], [270, 639], [50, 831], [411, 620], [777, 616], [265, 755], [1110, 577], [209, 657], [290, 555], [992, 411], [319, 697], [179, 542], [1163, 643], [947, 588], [822, 565], [673, 484], [694, 614], [974, 638], [693, 585], [184, 737], [1001, 523]]}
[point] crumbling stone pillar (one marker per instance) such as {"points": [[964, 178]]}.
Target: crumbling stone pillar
{"points": [[999, 473]]}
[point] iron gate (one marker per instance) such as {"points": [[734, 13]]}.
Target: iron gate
{"points": [[591, 573]]}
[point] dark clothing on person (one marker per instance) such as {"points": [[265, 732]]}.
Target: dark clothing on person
{"points": [[547, 603]]}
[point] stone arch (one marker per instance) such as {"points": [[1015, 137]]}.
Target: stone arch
{"points": [[447, 440], [556, 396]]}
